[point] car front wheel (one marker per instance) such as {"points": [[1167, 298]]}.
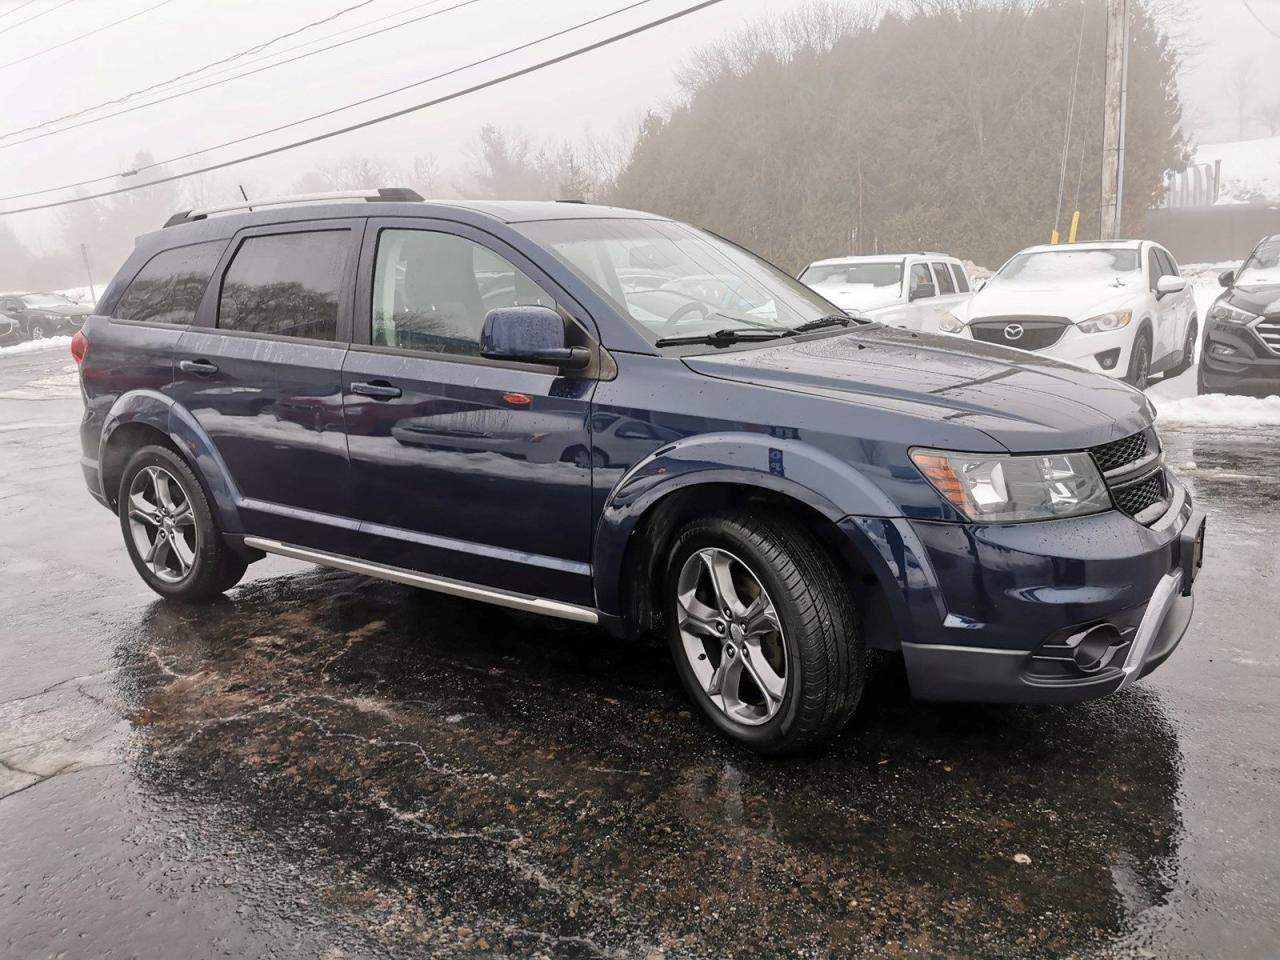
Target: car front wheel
{"points": [[763, 633], [1140, 362], [170, 531], [40, 330]]}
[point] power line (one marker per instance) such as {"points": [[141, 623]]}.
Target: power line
{"points": [[256, 48], [1071, 110], [64, 43], [405, 111], [1262, 23], [35, 16], [216, 83], [11, 12]]}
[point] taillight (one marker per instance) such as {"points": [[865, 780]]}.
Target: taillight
{"points": [[79, 347]]}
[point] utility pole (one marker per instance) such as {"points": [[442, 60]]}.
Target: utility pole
{"points": [[1113, 122], [84, 255]]}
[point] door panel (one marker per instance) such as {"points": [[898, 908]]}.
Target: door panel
{"points": [[462, 467], [263, 377]]}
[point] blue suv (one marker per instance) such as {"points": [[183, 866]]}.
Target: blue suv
{"points": [[617, 419]]}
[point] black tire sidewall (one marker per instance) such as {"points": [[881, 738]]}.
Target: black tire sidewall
{"points": [[717, 532], [1142, 342], [208, 537]]}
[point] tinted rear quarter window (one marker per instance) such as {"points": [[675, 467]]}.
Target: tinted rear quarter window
{"points": [[169, 287], [286, 284]]}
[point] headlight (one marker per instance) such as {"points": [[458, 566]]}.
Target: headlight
{"points": [[1106, 321], [950, 324], [1226, 313], [990, 488]]}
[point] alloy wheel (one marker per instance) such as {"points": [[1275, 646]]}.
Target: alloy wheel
{"points": [[37, 331], [732, 636], [1142, 369], [163, 524]]}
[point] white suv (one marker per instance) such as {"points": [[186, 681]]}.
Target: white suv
{"points": [[913, 290], [1116, 307]]}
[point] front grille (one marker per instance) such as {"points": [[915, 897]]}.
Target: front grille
{"points": [[1136, 497], [1025, 333], [1119, 453], [1132, 490], [1269, 331]]}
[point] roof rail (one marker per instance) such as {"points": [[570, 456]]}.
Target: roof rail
{"points": [[384, 195]]}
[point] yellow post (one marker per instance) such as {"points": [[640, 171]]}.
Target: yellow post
{"points": [[1054, 238], [1075, 225]]}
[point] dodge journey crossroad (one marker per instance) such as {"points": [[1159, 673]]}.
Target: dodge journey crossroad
{"points": [[617, 419]]}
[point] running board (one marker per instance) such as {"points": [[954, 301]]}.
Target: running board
{"points": [[455, 588]]}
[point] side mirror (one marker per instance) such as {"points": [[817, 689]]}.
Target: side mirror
{"points": [[922, 291], [1227, 277], [1170, 284], [530, 335]]}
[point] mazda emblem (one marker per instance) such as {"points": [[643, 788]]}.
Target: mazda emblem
{"points": [[1013, 331]]}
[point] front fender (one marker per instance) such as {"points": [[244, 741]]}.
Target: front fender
{"points": [[155, 410], [783, 466]]}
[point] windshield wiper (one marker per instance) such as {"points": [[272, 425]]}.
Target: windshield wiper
{"points": [[834, 320], [726, 336]]}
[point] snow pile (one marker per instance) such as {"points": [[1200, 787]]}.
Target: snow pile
{"points": [[34, 346], [1250, 168], [1219, 410]]}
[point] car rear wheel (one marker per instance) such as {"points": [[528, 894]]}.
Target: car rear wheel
{"points": [[40, 330], [170, 531], [1188, 358], [763, 633], [1140, 362]]}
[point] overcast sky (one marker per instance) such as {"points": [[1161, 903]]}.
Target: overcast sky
{"points": [[593, 95]]}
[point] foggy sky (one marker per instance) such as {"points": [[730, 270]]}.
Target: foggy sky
{"points": [[596, 94]]}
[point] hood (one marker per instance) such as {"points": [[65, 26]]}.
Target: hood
{"points": [[1023, 401], [1076, 303], [1262, 299], [858, 296]]}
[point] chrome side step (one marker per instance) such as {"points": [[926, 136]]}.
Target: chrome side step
{"points": [[455, 588]]}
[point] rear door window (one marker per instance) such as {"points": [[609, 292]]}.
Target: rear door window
{"points": [[962, 281], [286, 284], [168, 289], [945, 283]]}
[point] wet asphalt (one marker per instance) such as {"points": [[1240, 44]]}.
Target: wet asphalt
{"points": [[327, 766]]}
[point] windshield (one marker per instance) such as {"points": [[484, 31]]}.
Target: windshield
{"points": [[675, 281], [1049, 269], [45, 300], [886, 273], [1263, 265]]}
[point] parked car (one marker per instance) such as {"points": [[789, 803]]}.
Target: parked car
{"points": [[913, 291], [1242, 329], [779, 487], [43, 315], [10, 329], [1119, 308]]}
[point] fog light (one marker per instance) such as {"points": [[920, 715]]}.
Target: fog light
{"points": [[1095, 647], [1222, 350], [1107, 358]]}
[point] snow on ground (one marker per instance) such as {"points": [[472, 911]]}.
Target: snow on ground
{"points": [[1250, 168], [1217, 410], [34, 346]]}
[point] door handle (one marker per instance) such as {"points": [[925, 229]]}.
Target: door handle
{"points": [[378, 389], [203, 367]]}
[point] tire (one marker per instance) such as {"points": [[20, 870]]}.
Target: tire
{"points": [[813, 650], [1188, 351], [191, 562], [1139, 373], [39, 330]]}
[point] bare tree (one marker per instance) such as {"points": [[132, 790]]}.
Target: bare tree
{"points": [[1242, 91], [1269, 113]]}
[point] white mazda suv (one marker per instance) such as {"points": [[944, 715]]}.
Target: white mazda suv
{"points": [[1119, 308]]}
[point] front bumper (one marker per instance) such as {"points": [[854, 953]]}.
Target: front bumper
{"points": [[1251, 369], [1106, 353], [1052, 612]]}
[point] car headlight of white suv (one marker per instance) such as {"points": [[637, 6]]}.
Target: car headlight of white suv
{"points": [[1106, 322], [950, 323]]}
